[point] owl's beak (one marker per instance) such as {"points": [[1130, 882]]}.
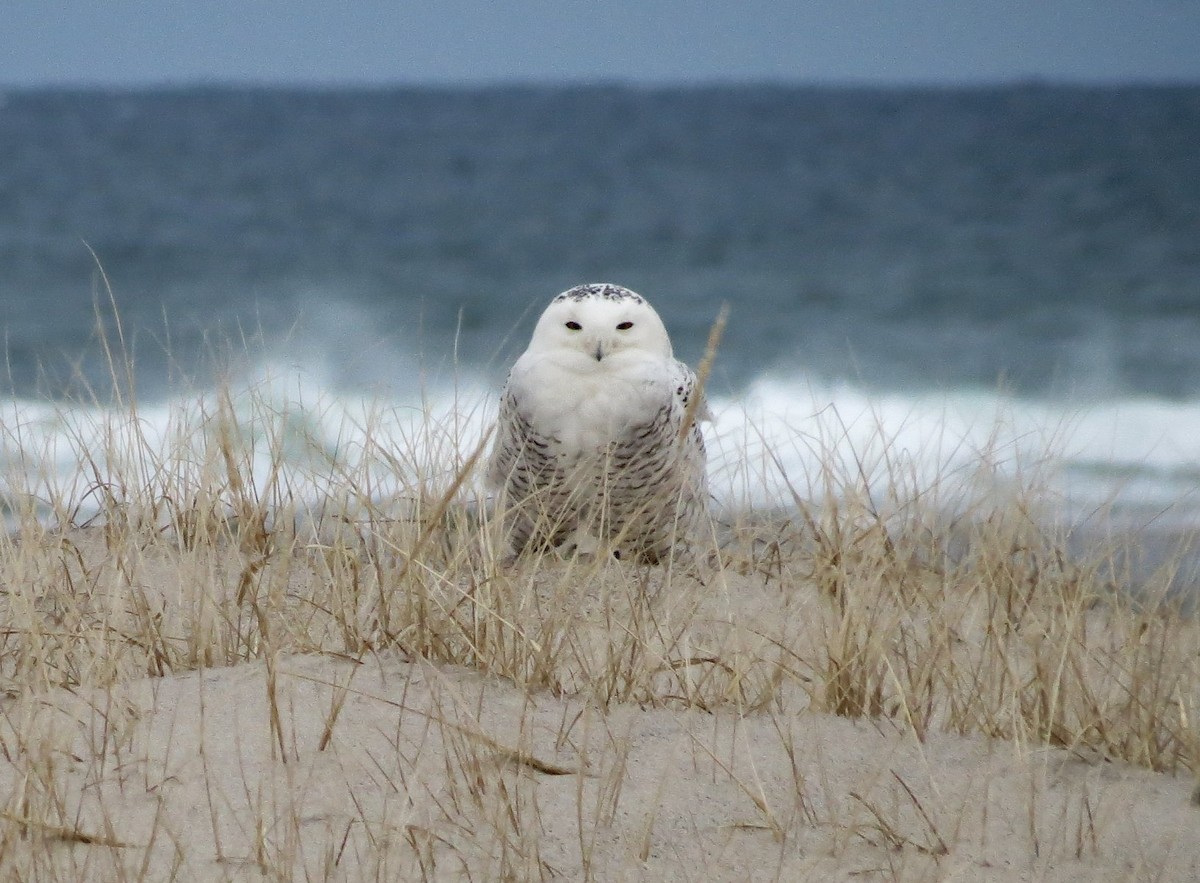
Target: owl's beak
{"points": [[599, 353]]}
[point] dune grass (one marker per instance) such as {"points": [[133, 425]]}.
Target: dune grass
{"points": [[406, 692]]}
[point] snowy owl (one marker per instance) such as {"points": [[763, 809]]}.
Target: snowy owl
{"points": [[589, 449]]}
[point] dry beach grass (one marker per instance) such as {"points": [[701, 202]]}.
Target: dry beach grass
{"points": [[205, 678]]}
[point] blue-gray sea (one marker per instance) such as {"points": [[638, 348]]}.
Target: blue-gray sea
{"points": [[978, 272]]}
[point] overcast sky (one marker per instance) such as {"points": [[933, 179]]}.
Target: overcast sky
{"points": [[126, 42]]}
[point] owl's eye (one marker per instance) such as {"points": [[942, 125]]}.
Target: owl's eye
{"points": [[624, 326], [574, 326]]}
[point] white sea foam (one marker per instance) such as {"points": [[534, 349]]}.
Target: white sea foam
{"points": [[1135, 458]]}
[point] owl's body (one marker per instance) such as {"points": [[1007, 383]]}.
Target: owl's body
{"points": [[588, 447]]}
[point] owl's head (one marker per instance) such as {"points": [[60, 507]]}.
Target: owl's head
{"points": [[600, 321]]}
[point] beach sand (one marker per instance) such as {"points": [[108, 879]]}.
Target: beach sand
{"points": [[679, 730]]}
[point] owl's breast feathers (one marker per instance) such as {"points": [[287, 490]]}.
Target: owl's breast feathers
{"points": [[583, 412], [546, 417]]}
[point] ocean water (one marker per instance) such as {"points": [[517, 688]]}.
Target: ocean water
{"points": [[923, 280]]}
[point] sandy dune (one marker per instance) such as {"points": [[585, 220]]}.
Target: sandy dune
{"points": [[323, 765]]}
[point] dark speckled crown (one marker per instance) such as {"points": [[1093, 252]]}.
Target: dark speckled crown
{"points": [[605, 290]]}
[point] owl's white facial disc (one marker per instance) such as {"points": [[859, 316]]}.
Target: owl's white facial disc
{"points": [[600, 322]]}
